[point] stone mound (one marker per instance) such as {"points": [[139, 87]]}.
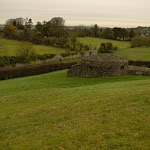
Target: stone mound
{"points": [[99, 65]]}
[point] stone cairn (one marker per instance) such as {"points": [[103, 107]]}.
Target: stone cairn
{"points": [[105, 65]]}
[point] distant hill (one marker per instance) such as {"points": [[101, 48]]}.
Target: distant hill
{"points": [[72, 27]]}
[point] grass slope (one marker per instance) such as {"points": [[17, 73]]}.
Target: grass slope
{"points": [[51, 111], [135, 53], [12, 46], [96, 42]]}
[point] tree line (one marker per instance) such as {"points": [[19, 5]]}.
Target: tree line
{"points": [[55, 33], [107, 33]]}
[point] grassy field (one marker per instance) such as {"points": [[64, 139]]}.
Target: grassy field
{"points": [[96, 42], [12, 46], [51, 111], [135, 53]]}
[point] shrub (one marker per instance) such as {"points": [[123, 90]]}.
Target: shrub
{"points": [[38, 38], [105, 48], [33, 70], [46, 41], [139, 63], [115, 48], [86, 47], [109, 46]]}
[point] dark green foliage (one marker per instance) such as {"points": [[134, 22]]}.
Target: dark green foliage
{"points": [[38, 38], [45, 56], [107, 48], [11, 60], [33, 70], [54, 27], [95, 30], [18, 22], [132, 34], [140, 41], [86, 47], [54, 41], [108, 34], [124, 34], [117, 33], [47, 41], [80, 45], [68, 54], [140, 63], [73, 43]]}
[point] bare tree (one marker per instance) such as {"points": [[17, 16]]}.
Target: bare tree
{"points": [[26, 49]]}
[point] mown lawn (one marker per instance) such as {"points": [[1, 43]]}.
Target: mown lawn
{"points": [[51, 111], [12, 46], [135, 53], [96, 42]]}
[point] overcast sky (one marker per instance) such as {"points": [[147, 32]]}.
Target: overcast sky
{"points": [[124, 13]]}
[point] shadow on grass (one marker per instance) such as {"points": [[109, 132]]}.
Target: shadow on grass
{"points": [[59, 79]]}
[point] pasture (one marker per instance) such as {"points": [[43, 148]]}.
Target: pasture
{"points": [[141, 53], [96, 42], [51, 111], [12, 47]]}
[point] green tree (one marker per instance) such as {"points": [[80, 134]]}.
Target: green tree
{"points": [[38, 38], [105, 48], [108, 34], [38, 26], [117, 33], [57, 27], [54, 27], [140, 41], [131, 34], [124, 33], [95, 30], [28, 23], [73, 43], [18, 22]]}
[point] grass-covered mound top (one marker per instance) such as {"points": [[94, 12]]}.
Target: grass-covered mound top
{"points": [[51, 111]]}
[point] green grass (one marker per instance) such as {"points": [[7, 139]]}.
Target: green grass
{"points": [[135, 53], [12, 46], [96, 42], [51, 111]]}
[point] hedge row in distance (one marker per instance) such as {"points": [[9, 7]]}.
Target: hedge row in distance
{"points": [[33, 70]]}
